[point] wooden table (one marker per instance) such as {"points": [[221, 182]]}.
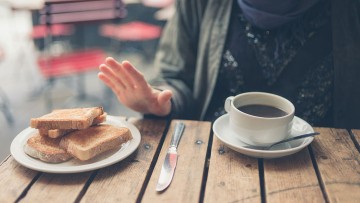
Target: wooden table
{"points": [[207, 171]]}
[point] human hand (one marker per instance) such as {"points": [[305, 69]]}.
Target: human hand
{"points": [[132, 90]]}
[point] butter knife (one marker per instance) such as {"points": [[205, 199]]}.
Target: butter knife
{"points": [[168, 167]]}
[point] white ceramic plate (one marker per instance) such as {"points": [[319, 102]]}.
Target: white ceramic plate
{"points": [[229, 138], [73, 165]]}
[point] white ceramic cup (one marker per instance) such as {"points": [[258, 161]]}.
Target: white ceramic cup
{"points": [[255, 130]]}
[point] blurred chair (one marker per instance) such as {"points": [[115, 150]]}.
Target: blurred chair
{"points": [[60, 18], [40, 32], [139, 32], [136, 32]]}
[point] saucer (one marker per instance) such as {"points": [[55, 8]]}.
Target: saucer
{"points": [[223, 132]]}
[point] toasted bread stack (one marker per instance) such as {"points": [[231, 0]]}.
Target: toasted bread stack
{"points": [[66, 133]]}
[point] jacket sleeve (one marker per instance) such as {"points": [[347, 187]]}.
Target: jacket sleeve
{"points": [[175, 60]]}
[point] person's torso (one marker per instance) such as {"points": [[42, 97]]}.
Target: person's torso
{"points": [[294, 61]]}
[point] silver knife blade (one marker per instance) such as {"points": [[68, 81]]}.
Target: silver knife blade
{"points": [[168, 167]]}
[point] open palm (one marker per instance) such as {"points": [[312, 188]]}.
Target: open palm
{"points": [[132, 90]]}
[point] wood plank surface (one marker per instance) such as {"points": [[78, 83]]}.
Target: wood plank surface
{"points": [[14, 179], [188, 177], [123, 181], [332, 176], [57, 187], [232, 177], [291, 179], [338, 163]]}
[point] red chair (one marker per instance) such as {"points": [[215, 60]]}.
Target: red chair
{"points": [[71, 63], [138, 32], [133, 31], [60, 18], [40, 32]]}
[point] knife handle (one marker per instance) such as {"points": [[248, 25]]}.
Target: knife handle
{"points": [[179, 129]]}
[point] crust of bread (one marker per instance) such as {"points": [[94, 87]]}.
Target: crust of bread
{"points": [[100, 119], [55, 133], [46, 149], [76, 118], [88, 143]]}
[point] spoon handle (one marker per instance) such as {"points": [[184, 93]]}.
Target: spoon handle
{"points": [[295, 138]]}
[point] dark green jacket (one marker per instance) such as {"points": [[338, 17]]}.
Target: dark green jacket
{"points": [[191, 47]]}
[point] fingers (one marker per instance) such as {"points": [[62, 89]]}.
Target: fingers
{"points": [[123, 74], [119, 72], [106, 80], [110, 77], [116, 88], [138, 79]]}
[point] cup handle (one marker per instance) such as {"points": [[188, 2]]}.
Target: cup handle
{"points": [[227, 105]]}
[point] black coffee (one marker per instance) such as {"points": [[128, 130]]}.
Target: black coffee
{"points": [[262, 110]]}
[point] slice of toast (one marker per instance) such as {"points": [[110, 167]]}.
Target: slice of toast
{"points": [[76, 118], [88, 143], [55, 133], [46, 149]]}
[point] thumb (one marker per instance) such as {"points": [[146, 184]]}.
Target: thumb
{"points": [[164, 97]]}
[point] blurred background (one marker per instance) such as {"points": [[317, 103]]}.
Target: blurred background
{"points": [[50, 51]]}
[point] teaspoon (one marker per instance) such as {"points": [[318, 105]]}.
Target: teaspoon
{"points": [[282, 141]]}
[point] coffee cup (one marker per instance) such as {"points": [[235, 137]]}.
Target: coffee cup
{"points": [[259, 118]]}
